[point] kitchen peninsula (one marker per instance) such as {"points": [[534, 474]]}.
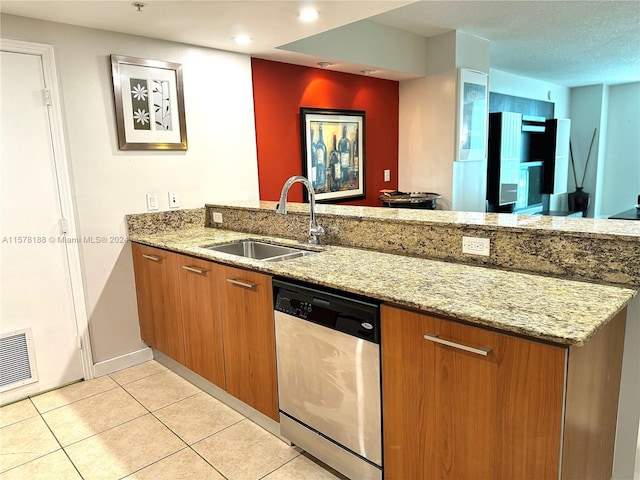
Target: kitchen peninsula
{"points": [[556, 294]]}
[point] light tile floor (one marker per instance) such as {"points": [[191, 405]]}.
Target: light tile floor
{"points": [[141, 423]]}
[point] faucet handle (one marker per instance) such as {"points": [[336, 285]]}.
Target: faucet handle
{"points": [[317, 231], [281, 208]]}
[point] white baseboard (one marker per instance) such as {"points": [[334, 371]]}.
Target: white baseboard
{"points": [[123, 361]]}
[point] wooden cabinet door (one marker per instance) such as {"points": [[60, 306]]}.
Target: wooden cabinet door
{"points": [[159, 300], [249, 338], [201, 318], [452, 413]]}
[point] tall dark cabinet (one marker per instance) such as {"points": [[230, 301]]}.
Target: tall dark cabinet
{"points": [[528, 162]]}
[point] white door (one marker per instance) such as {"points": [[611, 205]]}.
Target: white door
{"points": [[35, 282]]}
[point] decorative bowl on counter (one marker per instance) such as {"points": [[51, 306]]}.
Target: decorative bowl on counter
{"points": [[426, 200]]}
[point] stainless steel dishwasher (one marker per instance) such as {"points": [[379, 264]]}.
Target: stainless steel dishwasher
{"points": [[328, 350]]}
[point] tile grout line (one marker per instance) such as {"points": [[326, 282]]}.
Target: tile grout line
{"points": [[209, 436], [187, 445], [208, 462], [190, 446], [278, 468], [103, 431], [70, 403], [137, 379], [57, 440]]}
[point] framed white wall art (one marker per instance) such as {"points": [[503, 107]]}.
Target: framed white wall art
{"points": [[473, 106], [149, 103]]}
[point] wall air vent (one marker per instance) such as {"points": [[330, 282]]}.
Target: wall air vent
{"points": [[17, 360]]}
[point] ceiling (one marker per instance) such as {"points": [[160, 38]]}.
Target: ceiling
{"points": [[569, 43]]}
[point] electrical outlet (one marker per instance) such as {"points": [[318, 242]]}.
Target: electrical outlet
{"points": [[152, 201], [387, 175], [476, 246], [217, 217], [174, 200]]}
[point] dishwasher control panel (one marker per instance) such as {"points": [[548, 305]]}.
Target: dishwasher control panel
{"points": [[352, 315], [293, 307]]}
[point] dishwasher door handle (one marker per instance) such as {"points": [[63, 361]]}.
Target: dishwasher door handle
{"points": [[436, 339]]}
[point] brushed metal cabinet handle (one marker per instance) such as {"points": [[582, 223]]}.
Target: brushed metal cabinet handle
{"points": [[152, 258], [195, 270], [241, 284], [478, 351]]}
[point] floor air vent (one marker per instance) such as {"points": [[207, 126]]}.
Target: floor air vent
{"points": [[17, 361]]}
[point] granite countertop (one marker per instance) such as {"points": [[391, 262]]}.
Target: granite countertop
{"points": [[556, 310], [579, 227]]}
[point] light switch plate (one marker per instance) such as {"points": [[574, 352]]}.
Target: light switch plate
{"points": [[152, 201], [387, 175], [216, 217]]}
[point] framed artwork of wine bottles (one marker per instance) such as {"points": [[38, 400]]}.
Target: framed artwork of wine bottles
{"points": [[333, 154], [149, 104]]}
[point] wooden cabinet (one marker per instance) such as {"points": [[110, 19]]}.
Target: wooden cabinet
{"points": [[503, 164], [158, 295], [215, 320], [249, 338], [199, 287], [495, 410]]}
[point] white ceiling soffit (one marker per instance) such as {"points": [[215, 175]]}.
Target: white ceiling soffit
{"points": [[570, 43], [212, 24], [390, 52]]}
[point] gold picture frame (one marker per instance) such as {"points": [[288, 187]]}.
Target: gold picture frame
{"points": [[149, 104]]}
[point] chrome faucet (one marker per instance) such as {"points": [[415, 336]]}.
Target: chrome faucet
{"points": [[315, 230]]}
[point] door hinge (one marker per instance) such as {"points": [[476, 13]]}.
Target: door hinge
{"points": [[64, 226], [46, 93], [79, 342]]}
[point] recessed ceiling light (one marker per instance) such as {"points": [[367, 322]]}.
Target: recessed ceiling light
{"points": [[367, 72], [308, 15], [242, 39], [325, 64]]}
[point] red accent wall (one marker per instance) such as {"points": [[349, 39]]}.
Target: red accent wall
{"points": [[280, 89]]}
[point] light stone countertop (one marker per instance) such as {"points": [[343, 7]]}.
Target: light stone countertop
{"points": [[583, 227], [556, 310]]}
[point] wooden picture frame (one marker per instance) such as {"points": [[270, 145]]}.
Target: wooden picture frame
{"points": [[337, 172], [149, 103]]}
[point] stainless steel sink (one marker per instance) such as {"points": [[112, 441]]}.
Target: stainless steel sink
{"points": [[261, 250]]}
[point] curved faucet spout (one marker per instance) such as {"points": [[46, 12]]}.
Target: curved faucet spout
{"points": [[315, 230]]}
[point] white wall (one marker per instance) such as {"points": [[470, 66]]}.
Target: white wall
{"points": [[427, 135], [613, 174], [219, 165], [427, 126], [587, 114], [620, 172], [519, 86]]}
